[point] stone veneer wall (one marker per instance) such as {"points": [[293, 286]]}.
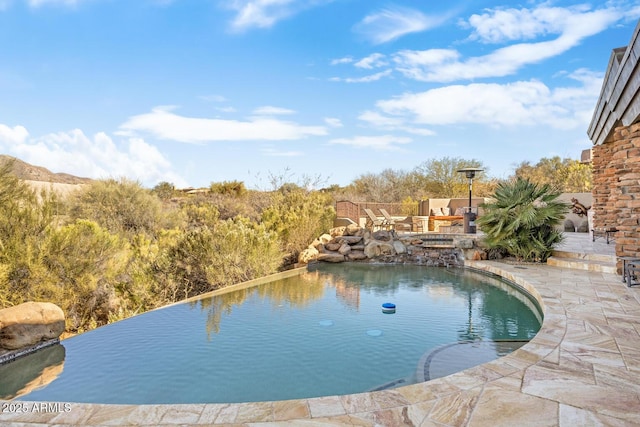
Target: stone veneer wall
{"points": [[616, 187]]}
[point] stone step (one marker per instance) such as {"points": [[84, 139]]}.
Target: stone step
{"points": [[583, 264], [585, 256]]}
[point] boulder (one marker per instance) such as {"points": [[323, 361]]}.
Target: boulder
{"points": [[383, 235], [28, 324], [356, 255], [333, 246], [325, 238], [315, 244], [344, 249], [307, 255], [399, 247], [331, 257], [337, 231], [351, 240], [351, 229], [376, 248]]}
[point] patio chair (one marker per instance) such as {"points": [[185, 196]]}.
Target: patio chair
{"points": [[373, 221], [632, 272], [417, 224], [390, 223]]}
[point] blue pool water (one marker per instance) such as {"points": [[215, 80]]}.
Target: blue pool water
{"points": [[321, 333]]}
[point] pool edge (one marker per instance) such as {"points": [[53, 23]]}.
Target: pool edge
{"points": [[453, 399]]}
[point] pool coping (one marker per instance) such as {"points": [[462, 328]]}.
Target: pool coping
{"points": [[580, 369]]}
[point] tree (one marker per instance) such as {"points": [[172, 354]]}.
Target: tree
{"points": [[522, 220], [564, 175], [440, 177]]}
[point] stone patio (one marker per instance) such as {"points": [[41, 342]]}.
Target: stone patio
{"points": [[581, 369]]}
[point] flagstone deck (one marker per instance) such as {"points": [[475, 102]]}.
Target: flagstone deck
{"points": [[581, 369]]}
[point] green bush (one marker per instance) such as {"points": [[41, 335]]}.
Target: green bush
{"points": [[164, 190], [120, 206], [522, 220], [83, 262], [298, 217], [208, 258], [229, 188]]}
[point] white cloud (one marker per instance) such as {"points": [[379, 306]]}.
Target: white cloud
{"points": [[97, 157], [522, 103], [496, 26], [380, 143], [162, 123], [265, 13], [446, 66], [333, 122], [376, 120], [365, 79], [13, 136], [375, 60], [345, 60], [394, 22], [269, 110]]}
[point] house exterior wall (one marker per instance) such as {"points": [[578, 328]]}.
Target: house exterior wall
{"points": [[616, 187]]}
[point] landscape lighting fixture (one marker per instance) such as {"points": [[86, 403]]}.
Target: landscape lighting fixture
{"points": [[470, 173]]}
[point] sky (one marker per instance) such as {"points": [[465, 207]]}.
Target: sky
{"points": [[199, 91]]}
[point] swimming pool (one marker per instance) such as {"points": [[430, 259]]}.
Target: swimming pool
{"points": [[320, 333]]}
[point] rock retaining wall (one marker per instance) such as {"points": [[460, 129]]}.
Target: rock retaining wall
{"points": [[354, 243]]}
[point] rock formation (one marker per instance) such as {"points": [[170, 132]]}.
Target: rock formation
{"points": [[353, 243], [30, 323]]}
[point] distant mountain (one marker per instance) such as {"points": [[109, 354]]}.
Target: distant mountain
{"points": [[28, 172]]}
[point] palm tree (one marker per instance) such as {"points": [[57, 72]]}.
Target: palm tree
{"points": [[522, 220]]}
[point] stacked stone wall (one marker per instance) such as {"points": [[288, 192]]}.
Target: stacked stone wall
{"points": [[616, 187]]}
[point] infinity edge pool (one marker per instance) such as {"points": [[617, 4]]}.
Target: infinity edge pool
{"points": [[528, 384]]}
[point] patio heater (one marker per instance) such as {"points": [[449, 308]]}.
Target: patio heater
{"points": [[470, 217]]}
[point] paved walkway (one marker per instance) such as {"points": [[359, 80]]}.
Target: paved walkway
{"points": [[583, 243], [581, 369]]}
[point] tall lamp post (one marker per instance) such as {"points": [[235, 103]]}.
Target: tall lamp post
{"points": [[470, 217]]}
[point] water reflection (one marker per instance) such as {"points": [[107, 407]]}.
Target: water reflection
{"points": [[31, 372], [280, 293], [489, 317]]}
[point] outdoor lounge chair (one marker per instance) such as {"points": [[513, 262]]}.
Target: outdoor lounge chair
{"points": [[390, 223], [373, 221], [404, 224]]}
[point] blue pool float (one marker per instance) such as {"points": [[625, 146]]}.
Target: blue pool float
{"points": [[388, 307]]}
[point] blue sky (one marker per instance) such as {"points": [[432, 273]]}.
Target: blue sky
{"points": [[199, 91]]}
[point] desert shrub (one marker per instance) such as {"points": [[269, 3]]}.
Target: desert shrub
{"points": [[229, 188], [120, 206], [25, 220], [200, 213], [164, 190], [208, 258], [83, 262], [522, 220], [298, 217]]}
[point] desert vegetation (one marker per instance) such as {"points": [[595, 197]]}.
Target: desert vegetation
{"points": [[112, 248]]}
